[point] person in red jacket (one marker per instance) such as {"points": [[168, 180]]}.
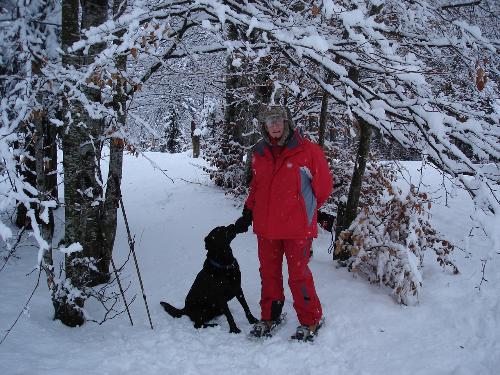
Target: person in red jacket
{"points": [[290, 181]]}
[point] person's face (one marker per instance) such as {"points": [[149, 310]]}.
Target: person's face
{"points": [[275, 128]]}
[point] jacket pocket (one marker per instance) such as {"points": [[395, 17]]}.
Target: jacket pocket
{"points": [[307, 193]]}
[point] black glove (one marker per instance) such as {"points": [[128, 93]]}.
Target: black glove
{"points": [[244, 221], [326, 220]]}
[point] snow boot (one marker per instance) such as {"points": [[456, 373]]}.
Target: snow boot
{"points": [[266, 328], [305, 334]]}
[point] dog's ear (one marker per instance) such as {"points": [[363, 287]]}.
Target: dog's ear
{"points": [[212, 238]]}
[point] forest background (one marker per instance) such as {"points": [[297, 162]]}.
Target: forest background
{"points": [[373, 82]]}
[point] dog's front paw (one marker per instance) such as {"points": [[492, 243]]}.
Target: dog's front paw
{"points": [[252, 319], [235, 330]]}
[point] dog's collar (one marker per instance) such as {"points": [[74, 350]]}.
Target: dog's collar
{"points": [[222, 266]]}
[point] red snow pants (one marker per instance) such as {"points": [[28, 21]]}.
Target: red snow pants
{"points": [[300, 280]]}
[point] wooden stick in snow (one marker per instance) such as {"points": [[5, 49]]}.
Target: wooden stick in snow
{"points": [[131, 243]]}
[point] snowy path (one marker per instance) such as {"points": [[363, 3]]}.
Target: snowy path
{"points": [[454, 330]]}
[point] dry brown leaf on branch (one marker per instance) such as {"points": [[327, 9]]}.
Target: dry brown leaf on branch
{"points": [[480, 79], [117, 142]]}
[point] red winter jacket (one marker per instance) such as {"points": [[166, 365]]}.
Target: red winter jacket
{"points": [[285, 193]]}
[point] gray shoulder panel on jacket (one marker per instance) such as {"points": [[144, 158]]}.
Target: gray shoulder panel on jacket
{"points": [[260, 147]]}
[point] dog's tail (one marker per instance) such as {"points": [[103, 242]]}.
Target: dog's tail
{"points": [[171, 310]]}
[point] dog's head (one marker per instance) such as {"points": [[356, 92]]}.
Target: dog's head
{"points": [[219, 239]]}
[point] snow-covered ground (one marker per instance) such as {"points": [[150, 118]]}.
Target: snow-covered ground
{"points": [[454, 330]]}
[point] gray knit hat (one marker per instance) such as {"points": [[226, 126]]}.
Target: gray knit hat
{"points": [[269, 113]]}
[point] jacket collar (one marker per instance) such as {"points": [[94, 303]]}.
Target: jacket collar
{"points": [[294, 140]]}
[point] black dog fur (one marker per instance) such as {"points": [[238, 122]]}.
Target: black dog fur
{"points": [[218, 282]]}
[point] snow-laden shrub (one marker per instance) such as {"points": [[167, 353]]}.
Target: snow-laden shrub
{"points": [[391, 233], [227, 166]]}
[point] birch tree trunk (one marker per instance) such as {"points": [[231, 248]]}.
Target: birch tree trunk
{"points": [[68, 311], [81, 153]]}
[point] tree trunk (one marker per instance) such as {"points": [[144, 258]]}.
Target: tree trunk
{"points": [[233, 82], [81, 164], [113, 191], [44, 211], [70, 32], [346, 214], [27, 169], [45, 215], [196, 146], [51, 161], [111, 203], [264, 89], [82, 191], [324, 113]]}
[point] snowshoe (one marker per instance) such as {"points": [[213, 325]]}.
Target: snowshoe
{"points": [[304, 334], [262, 329]]}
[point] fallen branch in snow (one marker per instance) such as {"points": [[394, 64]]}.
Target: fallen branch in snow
{"points": [[103, 296], [469, 4], [483, 273], [121, 290], [191, 182]]}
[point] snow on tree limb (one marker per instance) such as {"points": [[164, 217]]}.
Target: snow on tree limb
{"points": [[415, 111], [413, 59]]}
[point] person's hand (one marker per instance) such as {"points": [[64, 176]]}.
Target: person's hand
{"points": [[325, 220], [244, 221]]}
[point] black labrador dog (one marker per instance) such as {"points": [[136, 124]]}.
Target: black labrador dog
{"points": [[218, 282]]}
